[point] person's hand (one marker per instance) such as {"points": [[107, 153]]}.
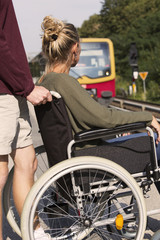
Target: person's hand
{"points": [[39, 95], [156, 126]]}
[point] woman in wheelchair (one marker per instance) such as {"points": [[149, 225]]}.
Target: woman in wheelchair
{"points": [[61, 46]]}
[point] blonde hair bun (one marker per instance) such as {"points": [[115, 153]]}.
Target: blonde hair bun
{"points": [[51, 28], [57, 40]]}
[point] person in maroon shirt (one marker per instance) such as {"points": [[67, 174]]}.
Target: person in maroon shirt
{"points": [[16, 87]]}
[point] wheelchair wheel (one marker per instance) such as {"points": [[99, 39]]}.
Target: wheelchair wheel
{"points": [[8, 205], [42, 161], [8, 202], [82, 196]]}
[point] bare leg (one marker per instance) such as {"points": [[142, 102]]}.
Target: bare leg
{"points": [[3, 179], [25, 167]]}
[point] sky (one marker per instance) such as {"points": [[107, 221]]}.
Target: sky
{"points": [[30, 14]]}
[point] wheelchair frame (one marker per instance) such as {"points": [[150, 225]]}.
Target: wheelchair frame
{"points": [[51, 176]]}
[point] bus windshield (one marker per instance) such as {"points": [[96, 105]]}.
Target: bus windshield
{"points": [[94, 61]]}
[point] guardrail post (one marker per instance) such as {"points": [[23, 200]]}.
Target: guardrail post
{"points": [[121, 103], [143, 107]]}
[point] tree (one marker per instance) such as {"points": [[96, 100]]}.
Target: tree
{"points": [[127, 21], [90, 27]]}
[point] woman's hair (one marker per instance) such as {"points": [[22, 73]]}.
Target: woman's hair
{"points": [[58, 39]]}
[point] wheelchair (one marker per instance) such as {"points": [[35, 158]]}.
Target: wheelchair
{"points": [[99, 189]]}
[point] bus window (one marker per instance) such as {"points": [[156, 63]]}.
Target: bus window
{"points": [[94, 61]]}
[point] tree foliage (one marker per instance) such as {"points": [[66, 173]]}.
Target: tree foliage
{"points": [[90, 27], [124, 22]]}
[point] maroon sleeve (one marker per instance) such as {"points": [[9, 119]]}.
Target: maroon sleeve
{"points": [[14, 68]]}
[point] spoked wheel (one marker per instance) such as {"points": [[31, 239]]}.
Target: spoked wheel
{"points": [[8, 201], [8, 205], [84, 195]]}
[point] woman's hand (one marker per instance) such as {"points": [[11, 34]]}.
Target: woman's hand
{"points": [[156, 126]]}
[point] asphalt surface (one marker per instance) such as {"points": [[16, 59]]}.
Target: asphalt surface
{"points": [[152, 198]]}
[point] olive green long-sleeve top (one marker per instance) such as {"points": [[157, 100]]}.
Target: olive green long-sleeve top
{"points": [[84, 112]]}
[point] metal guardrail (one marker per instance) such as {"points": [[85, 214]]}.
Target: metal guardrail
{"points": [[141, 105], [144, 106]]}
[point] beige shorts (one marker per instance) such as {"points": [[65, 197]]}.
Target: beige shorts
{"points": [[15, 126]]}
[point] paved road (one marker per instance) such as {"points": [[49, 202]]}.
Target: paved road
{"points": [[153, 200]]}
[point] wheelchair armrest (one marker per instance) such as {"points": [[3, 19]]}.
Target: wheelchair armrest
{"points": [[108, 132]]}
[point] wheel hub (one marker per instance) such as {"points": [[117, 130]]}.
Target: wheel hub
{"points": [[87, 222]]}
